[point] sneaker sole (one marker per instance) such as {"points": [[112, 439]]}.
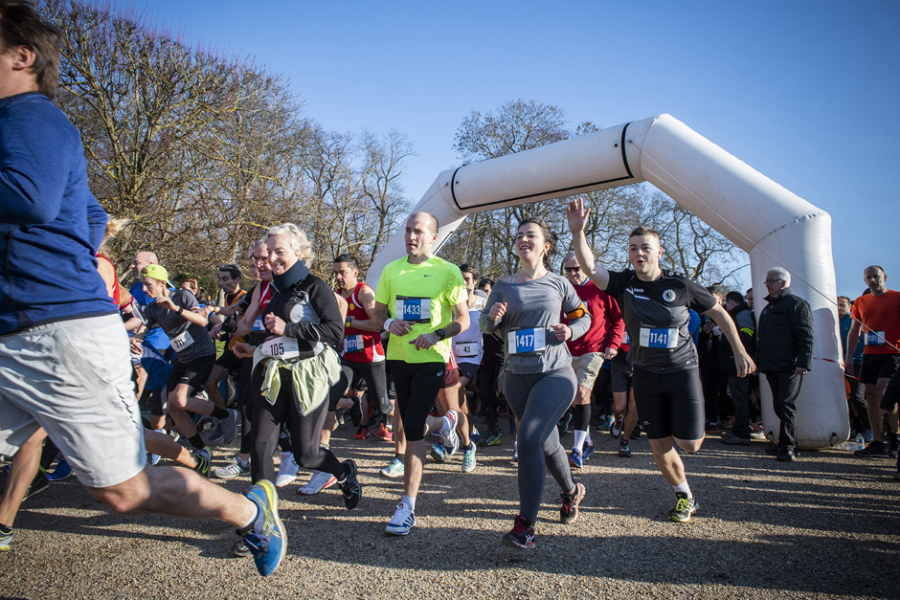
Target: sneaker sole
{"points": [[399, 530], [304, 491], [679, 519], [387, 475], [512, 543]]}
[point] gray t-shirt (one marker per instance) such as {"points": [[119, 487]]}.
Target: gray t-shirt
{"points": [[530, 346], [189, 340]]}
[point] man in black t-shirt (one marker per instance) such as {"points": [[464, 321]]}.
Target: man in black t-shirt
{"points": [[666, 379]]}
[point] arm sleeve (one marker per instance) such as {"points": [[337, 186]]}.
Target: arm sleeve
{"points": [[616, 323], [330, 329], [572, 306], [802, 322]]}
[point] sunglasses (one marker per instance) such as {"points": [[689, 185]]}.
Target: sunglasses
{"points": [[572, 269]]}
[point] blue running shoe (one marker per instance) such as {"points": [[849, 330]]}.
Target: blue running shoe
{"points": [[474, 437], [587, 449], [266, 536], [576, 460], [438, 452], [62, 471]]}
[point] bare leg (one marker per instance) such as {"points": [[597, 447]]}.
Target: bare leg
{"points": [[165, 446], [24, 467], [212, 386], [176, 492]]}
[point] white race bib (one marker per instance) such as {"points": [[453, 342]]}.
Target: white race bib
{"points": [[659, 338], [874, 338], [527, 341], [282, 348], [415, 310], [465, 349], [180, 342], [354, 343]]}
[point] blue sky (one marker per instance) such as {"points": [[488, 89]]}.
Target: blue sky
{"points": [[802, 91]]}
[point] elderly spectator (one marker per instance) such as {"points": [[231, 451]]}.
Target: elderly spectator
{"points": [[784, 354], [738, 387], [876, 320]]}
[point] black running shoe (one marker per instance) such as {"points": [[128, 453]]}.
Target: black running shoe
{"points": [[624, 450], [684, 508], [521, 536], [39, 485], [349, 486], [874, 450], [570, 503]]}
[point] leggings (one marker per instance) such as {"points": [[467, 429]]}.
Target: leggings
{"points": [[305, 431], [488, 375], [539, 401]]}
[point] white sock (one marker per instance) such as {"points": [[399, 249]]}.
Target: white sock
{"points": [[256, 514], [684, 488], [579, 439], [410, 502]]}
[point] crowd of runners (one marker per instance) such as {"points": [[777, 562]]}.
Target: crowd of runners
{"points": [[417, 361]]}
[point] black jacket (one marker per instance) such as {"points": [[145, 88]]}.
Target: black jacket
{"points": [[784, 339]]}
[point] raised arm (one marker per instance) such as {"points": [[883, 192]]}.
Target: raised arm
{"points": [[577, 214]]}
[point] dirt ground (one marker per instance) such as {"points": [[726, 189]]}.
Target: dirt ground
{"points": [[825, 526]]}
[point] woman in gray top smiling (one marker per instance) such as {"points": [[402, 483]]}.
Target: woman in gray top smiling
{"points": [[540, 384]]}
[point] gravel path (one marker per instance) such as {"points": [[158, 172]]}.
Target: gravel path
{"points": [[825, 526]]}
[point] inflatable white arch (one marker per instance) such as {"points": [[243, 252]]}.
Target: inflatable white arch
{"points": [[773, 225]]}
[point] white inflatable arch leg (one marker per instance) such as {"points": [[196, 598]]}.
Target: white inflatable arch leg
{"points": [[773, 225]]}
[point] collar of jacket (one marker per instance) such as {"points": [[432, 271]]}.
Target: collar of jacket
{"points": [[785, 292], [739, 309], [291, 277]]}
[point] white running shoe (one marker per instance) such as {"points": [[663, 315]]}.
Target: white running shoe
{"points": [[448, 432], [403, 520], [287, 472], [235, 469], [318, 482]]}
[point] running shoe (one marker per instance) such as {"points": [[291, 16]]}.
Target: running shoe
{"points": [[684, 508], [493, 438], [266, 536], [349, 485], [576, 459], [203, 456], [438, 453], [38, 485], [318, 482], [624, 450], [615, 430], [568, 513], [521, 536], [217, 433], [383, 433], [448, 432], [204, 423], [235, 468], [393, 470], [5, 538], [287, 471], [512, 425], [606, 424], [563, 424], [62, 471], [587, 449], [873, 450], [229, 426], [636, 432], [867, 435], [468, 461], [403, 520], [474, 437], [362, 433]]}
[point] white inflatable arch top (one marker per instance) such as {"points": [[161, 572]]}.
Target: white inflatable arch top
{"points": [[773, 225]]}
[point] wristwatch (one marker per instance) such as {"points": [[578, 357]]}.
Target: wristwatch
{"points": [[440, 333]]}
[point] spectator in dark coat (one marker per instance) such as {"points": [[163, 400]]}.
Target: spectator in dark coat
{"points": [[784, 353]]}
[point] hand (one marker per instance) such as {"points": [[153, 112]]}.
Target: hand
{"points": [[274, 324], [243, 350], [800, 371], [577, 214], [136, 347], [166, 302], [848, 368], [425, 341], [563, 332], [204, 310], [214, 332], [399, 327], [497, 311], [745, 365], [610, 353]]}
